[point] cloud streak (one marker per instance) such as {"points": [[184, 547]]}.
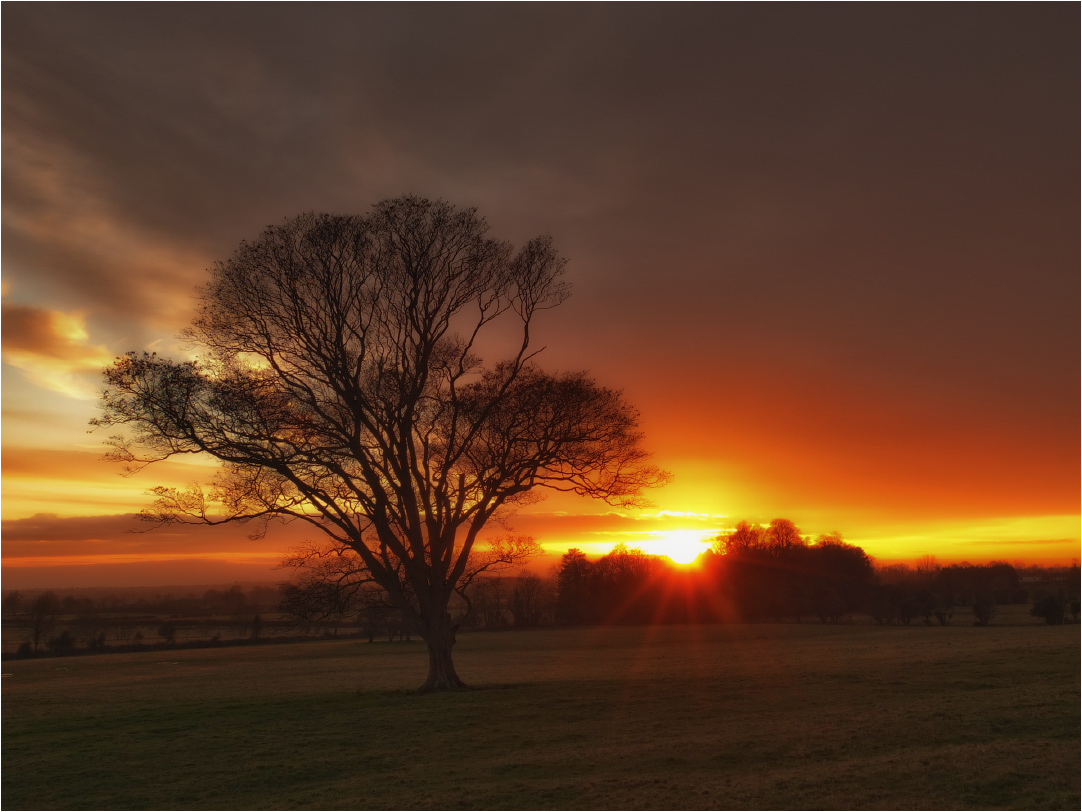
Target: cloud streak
{"points": [[52, 348]]}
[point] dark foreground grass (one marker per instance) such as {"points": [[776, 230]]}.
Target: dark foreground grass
{"points": [[771, 716]]}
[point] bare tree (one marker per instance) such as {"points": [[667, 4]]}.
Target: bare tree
{"points": [[527, 599], [926, 568], [489, 596], [42, 617], [745, 538], [341, 385]]}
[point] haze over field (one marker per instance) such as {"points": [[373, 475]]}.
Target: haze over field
{"points": [[830, 253]]}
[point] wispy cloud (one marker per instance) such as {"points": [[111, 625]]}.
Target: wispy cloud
{"points": [[53, 349]]}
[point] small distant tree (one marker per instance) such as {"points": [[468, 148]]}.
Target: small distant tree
{"points": [[235, 604], [310, 603], [1050, 607], [63, 644], [926, 568], [527, 600], [783, 536], [42, 617], [622, 583], [257, 627], [488, 595], [984, 609], [742, 541], [835, 575], [91, 630], [924, 602], [168, 632], [122, 629], [574, 601], [12, 603], [944, 610]]}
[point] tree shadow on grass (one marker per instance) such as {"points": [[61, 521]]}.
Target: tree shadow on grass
{"points": [[470, 689]]}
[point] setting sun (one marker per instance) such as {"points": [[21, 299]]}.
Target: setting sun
{"points": [[682, 546]]}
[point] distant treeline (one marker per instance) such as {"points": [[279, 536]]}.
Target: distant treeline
{"points": [[64, 621], [752, 574], [772, 573]]}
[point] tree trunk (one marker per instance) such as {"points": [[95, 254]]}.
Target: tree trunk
{"points": [[440, 637]]}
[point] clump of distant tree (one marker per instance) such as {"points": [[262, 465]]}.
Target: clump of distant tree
{"points": [[1056, 595], [776, 573], [1052, 608], [934, 594], [624, 586], [753, 573]]}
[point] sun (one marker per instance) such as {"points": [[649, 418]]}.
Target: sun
{"points": [[682, 546]]}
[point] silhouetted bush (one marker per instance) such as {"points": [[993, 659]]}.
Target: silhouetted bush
{"points": [[894, 603], [168, 632], [63, 644], [943, 613], [984, 608], [527, 601], [1051, 607], [96, 643], [42, 618]]}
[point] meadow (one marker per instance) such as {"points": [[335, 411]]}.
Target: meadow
{"points": [[688, 717]]}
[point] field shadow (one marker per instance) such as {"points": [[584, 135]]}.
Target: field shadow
{"points": [[468, 690]]}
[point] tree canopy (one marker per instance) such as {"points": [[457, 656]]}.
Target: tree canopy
{"points": [[339, 381]]}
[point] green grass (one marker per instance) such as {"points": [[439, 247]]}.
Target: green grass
{"points": [[758, 716]]}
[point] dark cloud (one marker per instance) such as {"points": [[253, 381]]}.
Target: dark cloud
{"points": [[836, 209], [47, 535], [48, 527], [176, 573], [1027, 542]]}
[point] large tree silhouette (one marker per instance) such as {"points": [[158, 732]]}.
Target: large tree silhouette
{"points": [[340, 383]]}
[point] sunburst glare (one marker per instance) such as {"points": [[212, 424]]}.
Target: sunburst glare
{"points": [[682, 546]]}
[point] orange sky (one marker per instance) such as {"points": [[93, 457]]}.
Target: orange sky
{"points": [[841, 286]]}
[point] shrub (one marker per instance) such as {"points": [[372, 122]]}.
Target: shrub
{"points": [[62, 644], [1051, 608], [984, 609]]}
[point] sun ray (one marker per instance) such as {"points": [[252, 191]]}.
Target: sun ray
{"points": [[682, 546]]}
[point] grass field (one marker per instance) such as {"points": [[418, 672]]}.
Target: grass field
{"points": [[756, 716]]}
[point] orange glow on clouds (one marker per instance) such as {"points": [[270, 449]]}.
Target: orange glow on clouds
{"points": [[69, 365]]}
